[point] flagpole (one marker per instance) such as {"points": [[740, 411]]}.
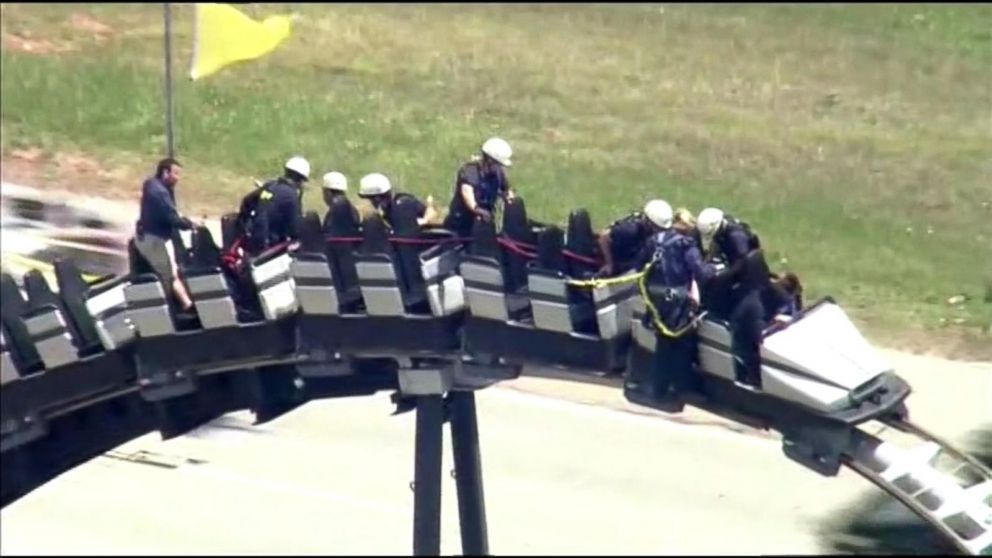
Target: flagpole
{"points": [[169, 115]]}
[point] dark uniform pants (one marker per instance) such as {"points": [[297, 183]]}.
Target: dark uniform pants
{"points": [[746, 325], [674, 357]]}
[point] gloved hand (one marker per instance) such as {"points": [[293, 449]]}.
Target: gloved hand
{"points": [[484, 214], [185, 223]]}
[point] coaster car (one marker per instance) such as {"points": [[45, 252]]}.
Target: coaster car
{"points": [[77, 340], [530, 314], [244, 318], [396, 295], [819, 377]]}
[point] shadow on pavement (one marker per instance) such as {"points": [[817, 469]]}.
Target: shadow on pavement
{"points": [[878, 524]]}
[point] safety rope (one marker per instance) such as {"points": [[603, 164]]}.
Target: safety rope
{"points": [[641, 279], [656, 317]]}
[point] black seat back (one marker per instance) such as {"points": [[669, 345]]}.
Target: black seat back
{"points": [[311, 234], [407, 257], [40, 294], [550, 243], [375, 236], [517, 229], [12, 305], [204, 252], [72, 291], [228, 230], [581, 240], [484, 241], [341, 222]]}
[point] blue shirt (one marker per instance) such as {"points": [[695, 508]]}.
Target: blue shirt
{"points": [[487, 188], [159, 216], [680, 259]]}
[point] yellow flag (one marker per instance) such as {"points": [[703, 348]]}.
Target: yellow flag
{"points": [[224, 35]]}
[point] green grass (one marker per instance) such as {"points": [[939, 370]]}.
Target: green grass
{"points": [[832, 129]]}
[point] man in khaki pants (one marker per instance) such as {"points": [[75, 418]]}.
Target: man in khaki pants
{"points": [[154, 229]]}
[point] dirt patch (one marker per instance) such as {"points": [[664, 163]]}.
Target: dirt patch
{"points": [[18, 43], [89, 24], [71, 172]]}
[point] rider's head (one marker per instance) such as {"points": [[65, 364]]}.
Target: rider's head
{"points": [[376, 188], [335, 184], [297, 169], [684, 221], [659, 214], [168, 171], [709, 223], [496, 151]]}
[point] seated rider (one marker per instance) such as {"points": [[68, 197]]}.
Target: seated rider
{"points": [[377, 189], [335, 192]]}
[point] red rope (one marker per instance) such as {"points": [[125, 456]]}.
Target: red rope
{"points": [[580, 258], [517, 247]]}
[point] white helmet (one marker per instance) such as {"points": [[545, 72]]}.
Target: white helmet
{"points": [[499, 150], [300, 166], [709, 222], [335, 181], [659, 213], [373, 185]]}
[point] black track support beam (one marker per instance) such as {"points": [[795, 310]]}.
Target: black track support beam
{"points": [[468, 473], [427, 476]]}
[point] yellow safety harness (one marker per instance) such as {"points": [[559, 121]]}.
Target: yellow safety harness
{"points": [[641, 278]]}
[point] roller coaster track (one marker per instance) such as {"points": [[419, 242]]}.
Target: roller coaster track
{"points": [[958, 503], [53, 422]]}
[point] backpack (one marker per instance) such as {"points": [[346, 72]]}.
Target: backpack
{"points": [[754, 243], [248, 223]]}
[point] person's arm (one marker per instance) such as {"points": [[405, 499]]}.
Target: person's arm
{"points": [[506, 190], [467, 192], [604, 247], [425, 212], [701, 271]]}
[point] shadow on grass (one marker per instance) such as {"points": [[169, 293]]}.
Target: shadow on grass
{"points": [[878, 524]]}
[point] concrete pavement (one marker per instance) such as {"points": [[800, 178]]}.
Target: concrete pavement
{"points": [[332, 477]]}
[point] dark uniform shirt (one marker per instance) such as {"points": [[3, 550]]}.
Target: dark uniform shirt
{"points": [[629, 238], [487, 187], [406, 199], [335, 210], [159, 216], [280, 212], [734, 242]]}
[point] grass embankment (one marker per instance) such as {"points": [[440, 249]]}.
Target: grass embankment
{"points": [[856, 139]]}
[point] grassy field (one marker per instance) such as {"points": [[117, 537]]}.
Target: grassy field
{"points": [[856, 139]]}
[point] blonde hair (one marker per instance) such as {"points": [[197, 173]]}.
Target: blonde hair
{"points": [[684, 220]]}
